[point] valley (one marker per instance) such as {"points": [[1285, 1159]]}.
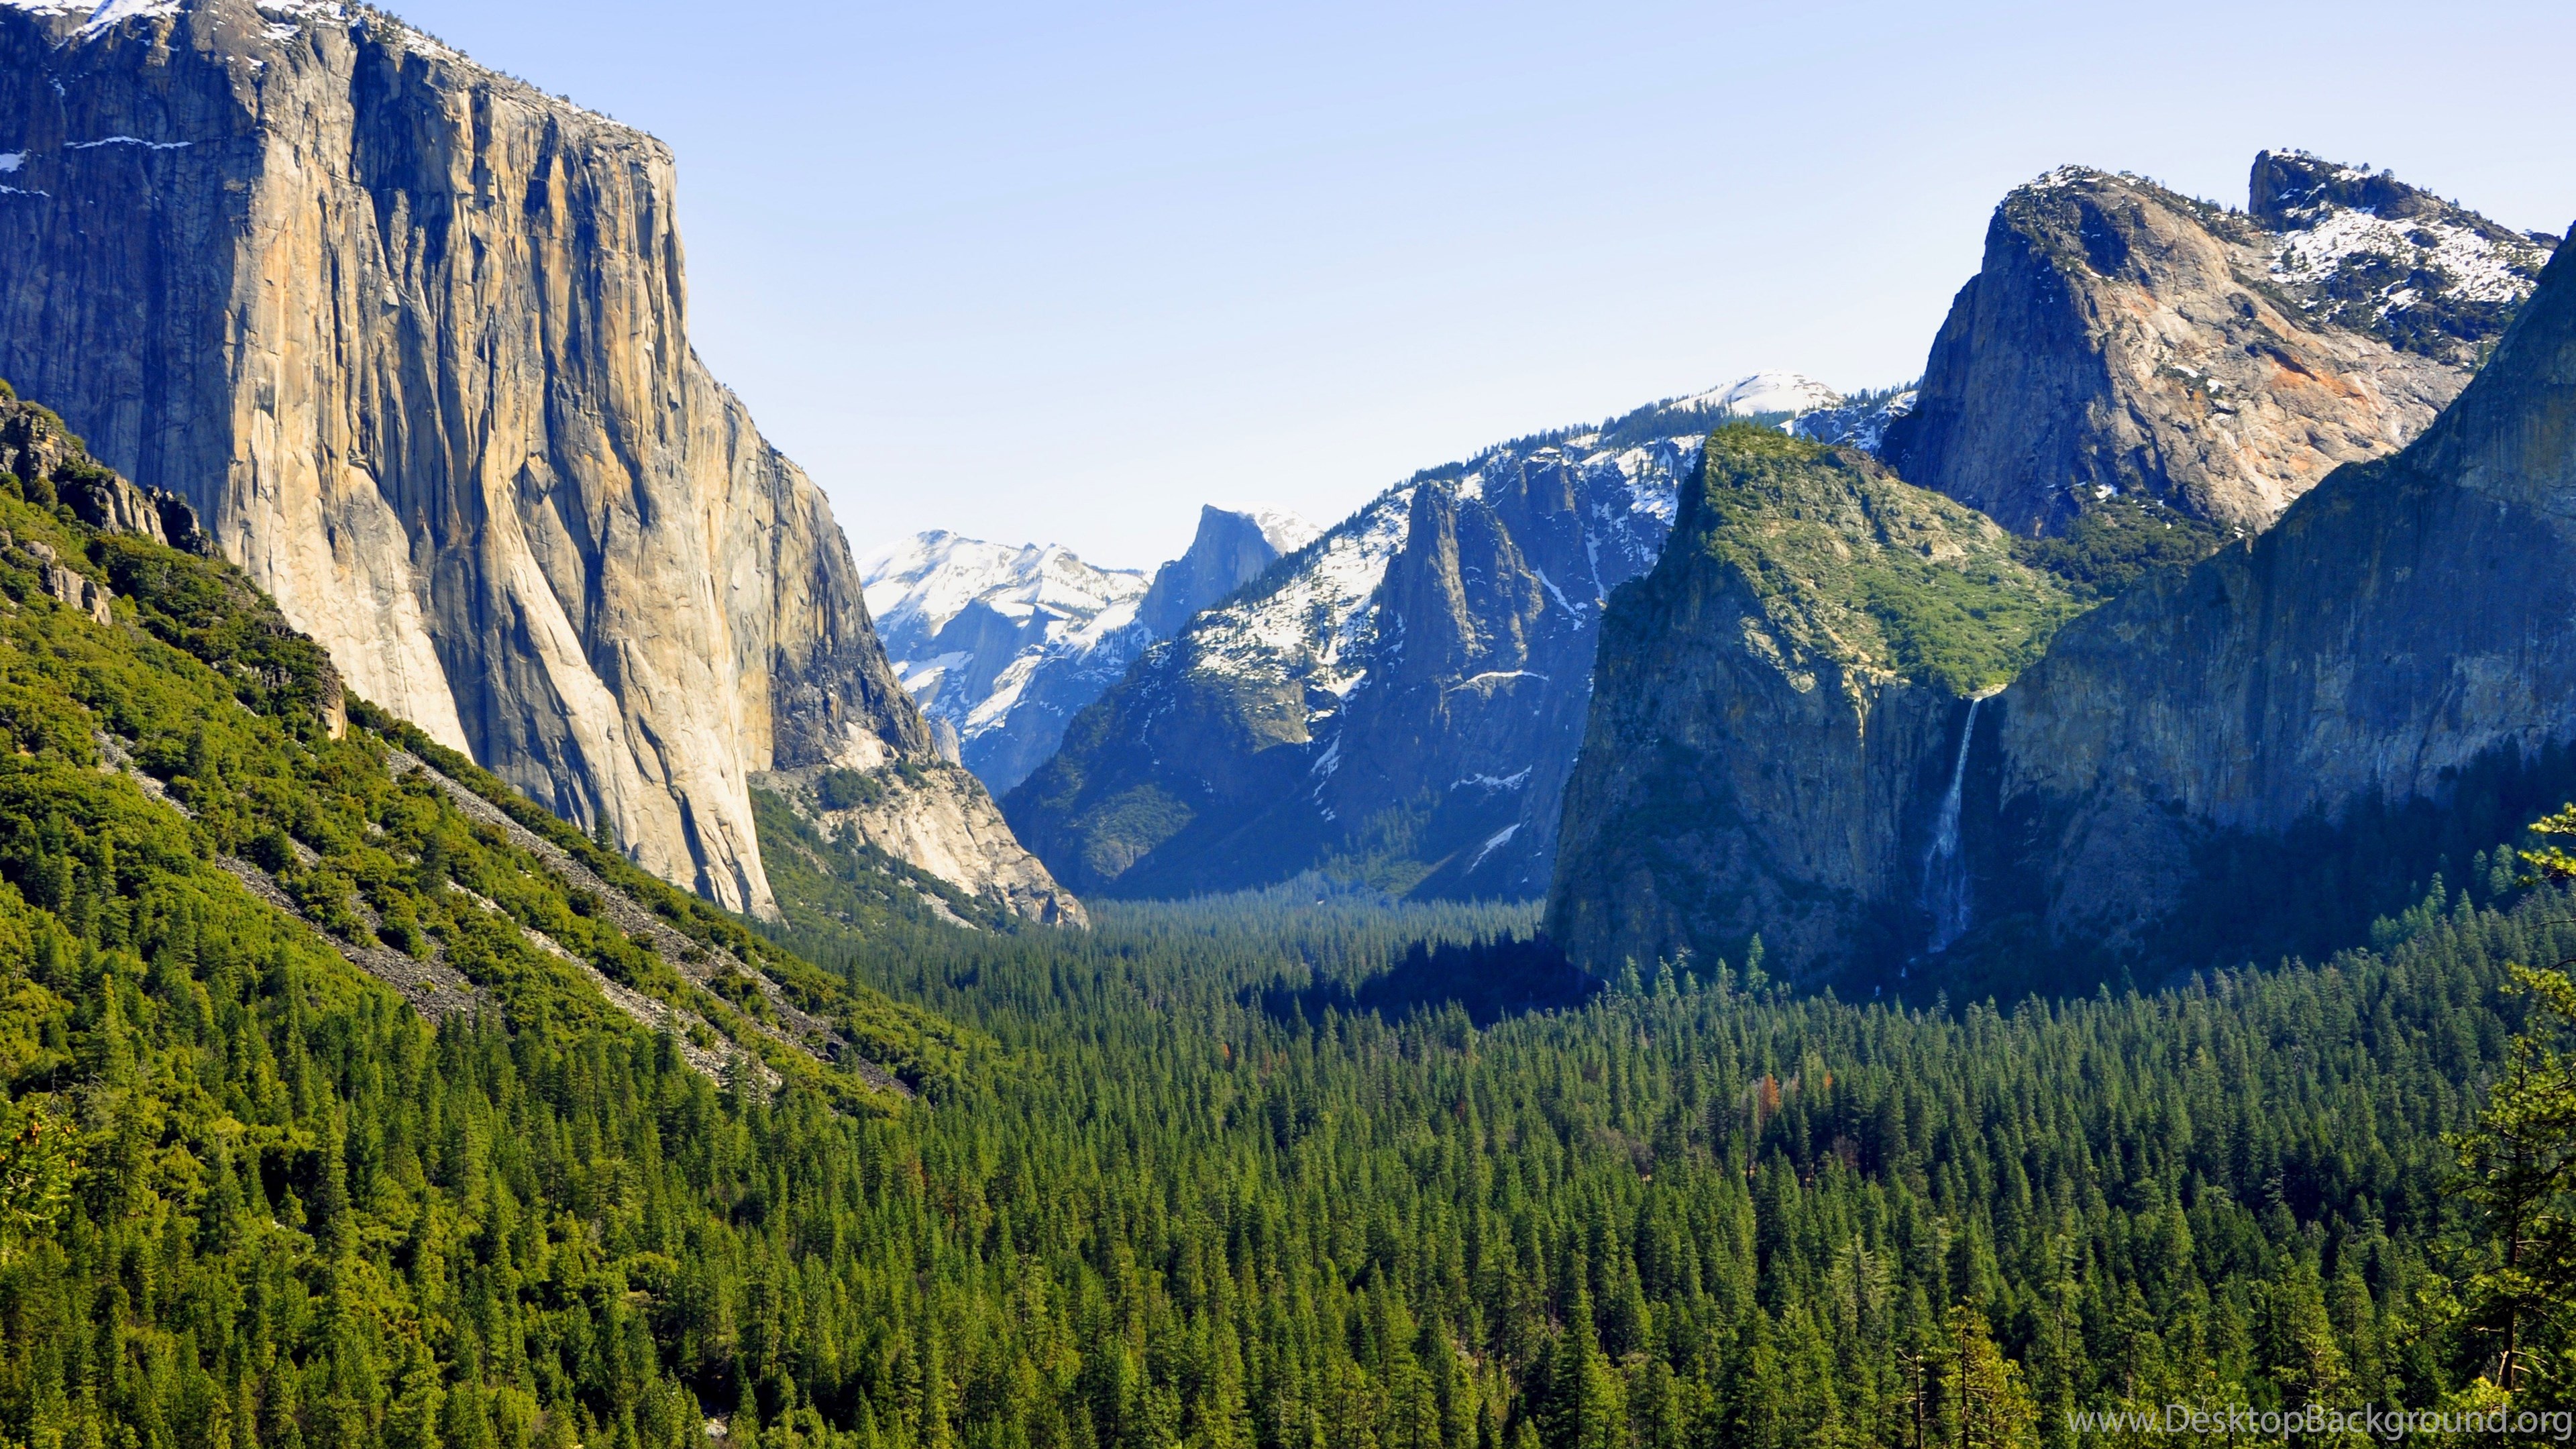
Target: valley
{"points": [[1780, 916]]}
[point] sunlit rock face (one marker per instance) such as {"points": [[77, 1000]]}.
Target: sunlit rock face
{"points": [[2123, 339], [412, 337]]}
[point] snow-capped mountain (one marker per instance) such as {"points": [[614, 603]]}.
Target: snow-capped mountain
{"points": [[1000, 645], [1402, 699], [1764, 392], [970, 625], [2363, 250], [1802, 405]]}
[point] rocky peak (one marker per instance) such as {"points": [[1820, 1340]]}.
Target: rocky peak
{"points": [[2122, 339], [1232, 548], [2363, 250], [1398, 701], [1460, 600], [2382, 675], [2293, 190], [2245, 757]]}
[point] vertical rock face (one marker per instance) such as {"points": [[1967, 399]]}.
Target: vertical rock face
{"points": [[1780, 714], [2397, 642], [44, 462], [412, 338], [2236, 758], [2122, 339], [1003, 645], [1398, 701], [1233, 547]]}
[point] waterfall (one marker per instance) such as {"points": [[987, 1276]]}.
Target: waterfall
{"points": [[1945, 876]]}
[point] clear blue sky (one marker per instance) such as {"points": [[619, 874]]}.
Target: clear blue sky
{"points": [[1061, 273]]}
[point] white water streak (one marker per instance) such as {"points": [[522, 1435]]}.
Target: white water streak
{"points": [[1945, 876]]}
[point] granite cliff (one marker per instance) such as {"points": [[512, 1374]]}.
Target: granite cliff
{"points": [[1794, 676], [2120, 339], [2392, 658], [412, 338], [2244, 756], [1233, 546]]}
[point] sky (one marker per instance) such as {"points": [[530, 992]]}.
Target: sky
{"points": [[1063, 273]]}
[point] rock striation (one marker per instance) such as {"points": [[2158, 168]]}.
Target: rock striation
{"points": [[2120, 339], [1002, 646], [412, 338]]}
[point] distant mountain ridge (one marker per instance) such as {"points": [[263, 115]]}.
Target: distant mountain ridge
{"points": [[1400, 700], [1000, 646]]}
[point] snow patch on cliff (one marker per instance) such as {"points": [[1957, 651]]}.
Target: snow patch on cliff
{"points": [[128, 141], [102, 16], [287, 18], [2474, 266], [1860, 422], [116, 12], [1652, 474], [1310, 623]]}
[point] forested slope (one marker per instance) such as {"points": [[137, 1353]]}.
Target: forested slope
{"points": [[253, 1194], [1154, 1186]]}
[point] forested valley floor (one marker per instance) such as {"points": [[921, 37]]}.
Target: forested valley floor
{"points": [[1150, 1206]]}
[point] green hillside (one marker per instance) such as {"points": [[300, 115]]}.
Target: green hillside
{"points": [[313, 1141], [1854, 564], [377, 1093]]}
